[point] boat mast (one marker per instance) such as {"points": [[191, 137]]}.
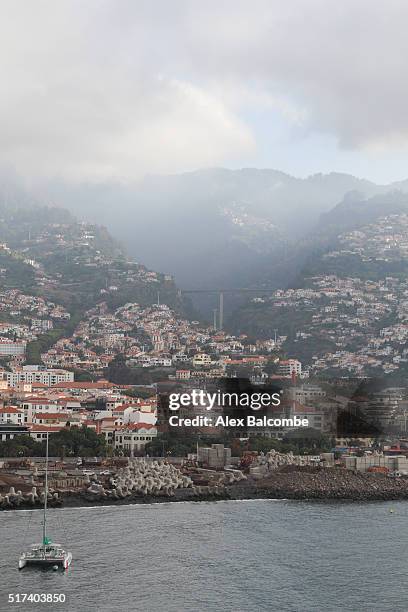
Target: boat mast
{"points": [[45, 495]]}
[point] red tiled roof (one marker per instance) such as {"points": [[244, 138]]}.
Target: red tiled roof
{"points": [[138, 426], [83, 385], [45, 428], [51, 415], [10, 410], [39, 400], [123, 407]]}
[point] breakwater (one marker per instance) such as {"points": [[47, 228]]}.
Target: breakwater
{"points": [[140, 486]]}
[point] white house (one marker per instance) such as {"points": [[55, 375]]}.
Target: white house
{"points": [[11, 415], [202, 359], [132, 415], [290, 367], [134, 437]]}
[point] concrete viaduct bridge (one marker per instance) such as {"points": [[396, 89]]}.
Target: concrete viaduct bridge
{"points": [[221, 293]]}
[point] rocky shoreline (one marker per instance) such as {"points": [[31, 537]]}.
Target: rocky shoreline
{"points": [[331, 484], [289, 482]]}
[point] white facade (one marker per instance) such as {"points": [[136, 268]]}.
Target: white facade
{"points": [[32, 407], [202, 359], [132, 415], [7, 347], [31, 375], [134, 440], [290, 367], [11, 415]]}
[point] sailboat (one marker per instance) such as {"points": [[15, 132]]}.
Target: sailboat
{"points": [[47, 554]]}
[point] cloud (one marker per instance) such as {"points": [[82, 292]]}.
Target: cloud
{"points": [[85, 98], [338, 65], [115, 88]]}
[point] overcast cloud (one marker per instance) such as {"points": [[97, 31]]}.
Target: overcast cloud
{"points": [[115, 89]]}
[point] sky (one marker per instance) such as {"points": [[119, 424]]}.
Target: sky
{"points": [[116, 89]]}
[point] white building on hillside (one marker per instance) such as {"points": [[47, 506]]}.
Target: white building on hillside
{"points": [[134, 437], [34, 374], [11, 415]]}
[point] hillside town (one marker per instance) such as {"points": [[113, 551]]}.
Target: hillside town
{"points": [[108, 366], [344, 325], [384, 240]]}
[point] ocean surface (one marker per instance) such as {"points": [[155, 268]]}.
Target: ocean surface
{"points": [[224, 556]]}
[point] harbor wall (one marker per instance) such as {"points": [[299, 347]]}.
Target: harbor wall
{"points": [[362, 464]]}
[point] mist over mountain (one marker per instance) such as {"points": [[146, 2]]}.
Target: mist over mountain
{"points": [[355, 210], [221, 228], [216, 227]]}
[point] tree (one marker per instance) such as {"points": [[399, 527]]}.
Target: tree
{"points": [[77, 441], [72, 441], [20, 446], [139, 393]]}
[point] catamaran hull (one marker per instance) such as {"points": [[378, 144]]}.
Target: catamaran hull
{"points": [[57, 563]]}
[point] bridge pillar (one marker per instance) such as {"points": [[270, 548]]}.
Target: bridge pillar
{"points": [[221, 320]]}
